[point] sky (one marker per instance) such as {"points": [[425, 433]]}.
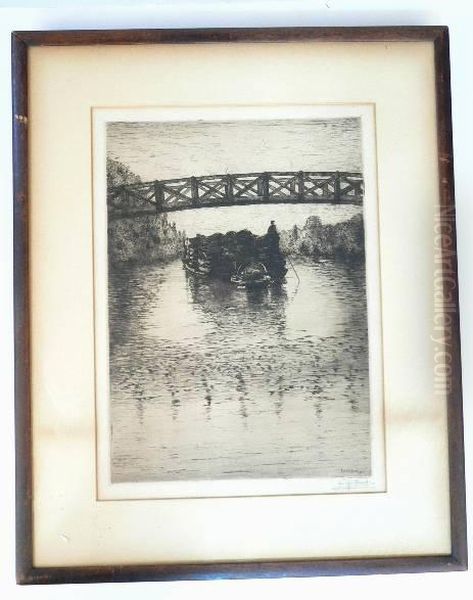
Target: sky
{"points": [[167, 150]]}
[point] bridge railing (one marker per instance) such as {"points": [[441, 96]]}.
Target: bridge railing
{"points": [[236, 189]]}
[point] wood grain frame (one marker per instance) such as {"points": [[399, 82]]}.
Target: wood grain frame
{"points": [[27, 573]]}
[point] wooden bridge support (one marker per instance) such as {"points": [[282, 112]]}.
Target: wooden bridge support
{"points": [[300, 185], [194, 191], [263, 187], [229, 188], [159, 196], [336, 187]]}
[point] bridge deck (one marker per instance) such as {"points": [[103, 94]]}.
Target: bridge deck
{"points": [[235, 189]]}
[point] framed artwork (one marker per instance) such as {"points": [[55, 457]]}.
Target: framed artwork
{"points": [[237, 332]]}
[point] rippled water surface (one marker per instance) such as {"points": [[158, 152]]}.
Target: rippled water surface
{"points": [[209, 381]]}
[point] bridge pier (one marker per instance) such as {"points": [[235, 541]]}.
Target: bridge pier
{"points": [[229, 188], [337, 196], [158, 196], [194, 191], [263, 187], [300, 186]]}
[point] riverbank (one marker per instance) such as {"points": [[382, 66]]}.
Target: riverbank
{"points": [[344, 240], [143, 240], [153, 238]]}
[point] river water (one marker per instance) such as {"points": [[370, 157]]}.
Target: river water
{"points": [[212, 382]]}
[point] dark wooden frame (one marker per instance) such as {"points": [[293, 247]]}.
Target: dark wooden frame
{"points": [[27, 573]]}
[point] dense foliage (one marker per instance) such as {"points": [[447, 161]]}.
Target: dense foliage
{"points": [[345, 240], [119, 174], [143, 239]]}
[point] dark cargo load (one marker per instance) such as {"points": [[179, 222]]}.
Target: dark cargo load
{"points": [[221, 256]]}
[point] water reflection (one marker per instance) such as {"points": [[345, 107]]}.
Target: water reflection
{"points": [[210, 381], [233, 309]]}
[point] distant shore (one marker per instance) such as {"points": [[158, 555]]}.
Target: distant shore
{"points": [[344, 240]]}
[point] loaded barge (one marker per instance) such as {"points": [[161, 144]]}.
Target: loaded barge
{"points": [[240, 258]]}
